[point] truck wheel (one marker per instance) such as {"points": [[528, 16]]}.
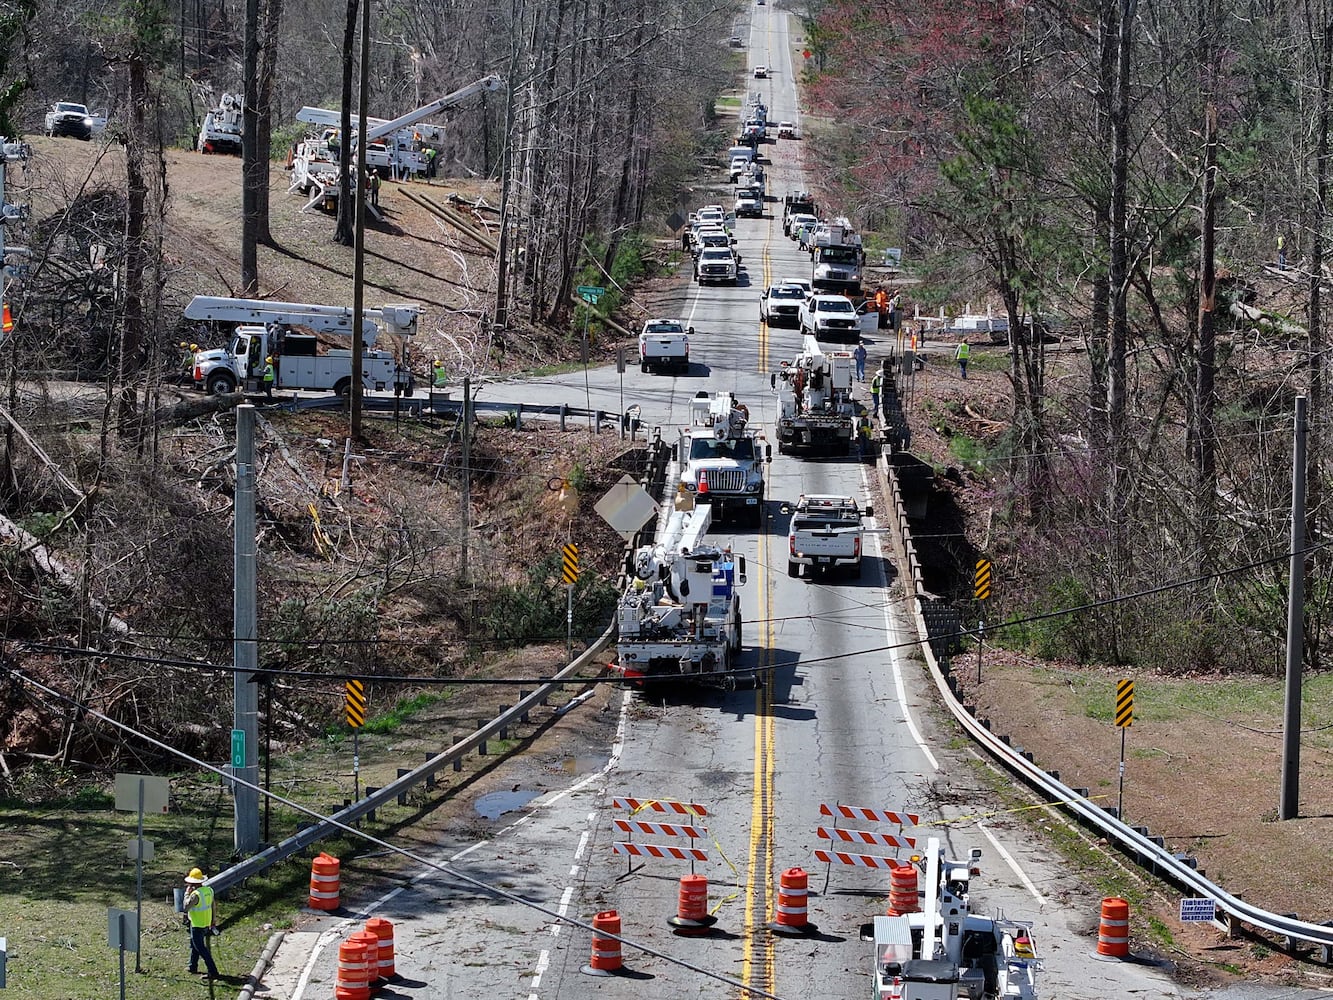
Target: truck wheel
{"points": [[793, 569], [220, 383], [343, 387], [855, 570], [643, 366]]}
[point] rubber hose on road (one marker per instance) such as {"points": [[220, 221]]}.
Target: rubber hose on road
{"points": [[257, 973]]}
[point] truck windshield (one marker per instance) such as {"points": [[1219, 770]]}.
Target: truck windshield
{"points": [[838, 255], [742, 449]]}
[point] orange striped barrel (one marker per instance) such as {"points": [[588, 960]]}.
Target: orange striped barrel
{"points": [[325, 886], [1113, 931]]}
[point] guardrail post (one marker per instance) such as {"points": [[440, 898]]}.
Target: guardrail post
{"points": [[522, 695], [430, 778], [370, 813], [598, 421], [503, 732], [402, 796], [518, 417], [564, 410]]}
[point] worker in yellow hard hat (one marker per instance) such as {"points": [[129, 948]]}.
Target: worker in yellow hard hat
{"points": [[270, 376], [202, 918], [439, 378]]}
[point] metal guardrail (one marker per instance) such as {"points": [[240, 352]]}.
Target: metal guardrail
{"points": [[1147, 851], [238, 873], [443, 404], [302, 839]]}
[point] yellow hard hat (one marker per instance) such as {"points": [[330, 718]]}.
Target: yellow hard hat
{"points": [[183, 344], [436, 362], [268, 361], [196, 877], [193, 347]]}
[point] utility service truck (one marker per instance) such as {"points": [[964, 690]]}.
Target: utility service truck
{"points": [[825, 535], [943, 950], [816, 412], [396, 147], [221, 130], [295, 335], [679, 618], [722, 457], [836, 258]]}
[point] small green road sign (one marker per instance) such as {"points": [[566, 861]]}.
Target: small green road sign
{"points": [[591, 293], [238, 748]]}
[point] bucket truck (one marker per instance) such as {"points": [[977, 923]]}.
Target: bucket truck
{"points": [[945, 951], [221, 130], [395, 147], [723, 457], [679, 618], [817, 414], [301, 360]]}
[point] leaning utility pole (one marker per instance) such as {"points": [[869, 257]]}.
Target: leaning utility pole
{"points": [[1290, 803], [245, 644]]}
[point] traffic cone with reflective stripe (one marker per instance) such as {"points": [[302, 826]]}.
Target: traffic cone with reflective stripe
{"points": [[692, 916], [790, 920]]}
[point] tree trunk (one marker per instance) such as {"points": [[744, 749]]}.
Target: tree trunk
{"points": [[268, 65], [1118, 446], [254, 171], [1205, 394], [136, 183], [345, 233]]}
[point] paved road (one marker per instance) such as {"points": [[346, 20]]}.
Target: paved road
{"points": [[847, 718]]}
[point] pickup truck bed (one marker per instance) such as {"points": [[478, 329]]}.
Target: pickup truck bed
{"points": [[825, 536]]}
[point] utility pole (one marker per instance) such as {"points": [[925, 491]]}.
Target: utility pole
{"points": [[1290, 802], [245, 645], [359, 251]]}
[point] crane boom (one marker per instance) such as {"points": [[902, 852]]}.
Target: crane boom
{"points": [[492, 83], [400, 319]]}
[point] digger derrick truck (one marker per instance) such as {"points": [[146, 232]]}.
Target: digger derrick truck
{"points": [[273, 329], [679, 618], [722, 457], [395, 147], [221, 128], [816, 412]]}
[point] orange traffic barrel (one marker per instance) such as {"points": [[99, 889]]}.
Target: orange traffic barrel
{"points": [[692, 906], [606, 960], [1113, 931], [903, 896], [354, 976], [790, 920], [383, 931], [325, 888]]}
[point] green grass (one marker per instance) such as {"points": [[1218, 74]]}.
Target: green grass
{"points": [[63, 864]]}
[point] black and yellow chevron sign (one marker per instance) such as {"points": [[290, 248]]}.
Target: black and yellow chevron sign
{"points": [[356, 704], [1124, 704], [983, 580], [569, 560]]}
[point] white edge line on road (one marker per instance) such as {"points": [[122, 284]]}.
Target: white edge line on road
{"points": [[332, 933], [891, 629], [1013, 865], [543, 960]]}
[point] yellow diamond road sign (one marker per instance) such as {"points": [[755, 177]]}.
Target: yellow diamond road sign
{"points": [[626, 507]]}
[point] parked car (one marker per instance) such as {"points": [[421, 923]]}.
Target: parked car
{"points": [[786, 130], [781, 304], [736, 42]]}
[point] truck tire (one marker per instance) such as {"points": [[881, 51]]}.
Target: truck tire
{"points": [[643, 366], [793, 569], [854, 570], [220, 383], [343, 387]]}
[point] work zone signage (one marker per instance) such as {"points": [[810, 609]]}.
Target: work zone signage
{"points": [[355, 704]]}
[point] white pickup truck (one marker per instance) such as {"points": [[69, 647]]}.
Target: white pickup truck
{"points": [[825, 534], [664, 344]]}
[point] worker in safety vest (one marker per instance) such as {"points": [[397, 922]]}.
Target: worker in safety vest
{"points": [[430, 155], [270, 376], [439, 378], [187, 363], [876, 387], [961, 355], [202, 919]]}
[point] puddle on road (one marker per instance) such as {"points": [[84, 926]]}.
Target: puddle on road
{"points": [[496, 804]]}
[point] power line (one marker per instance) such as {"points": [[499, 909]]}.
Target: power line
{"points": [[444, 869]]}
